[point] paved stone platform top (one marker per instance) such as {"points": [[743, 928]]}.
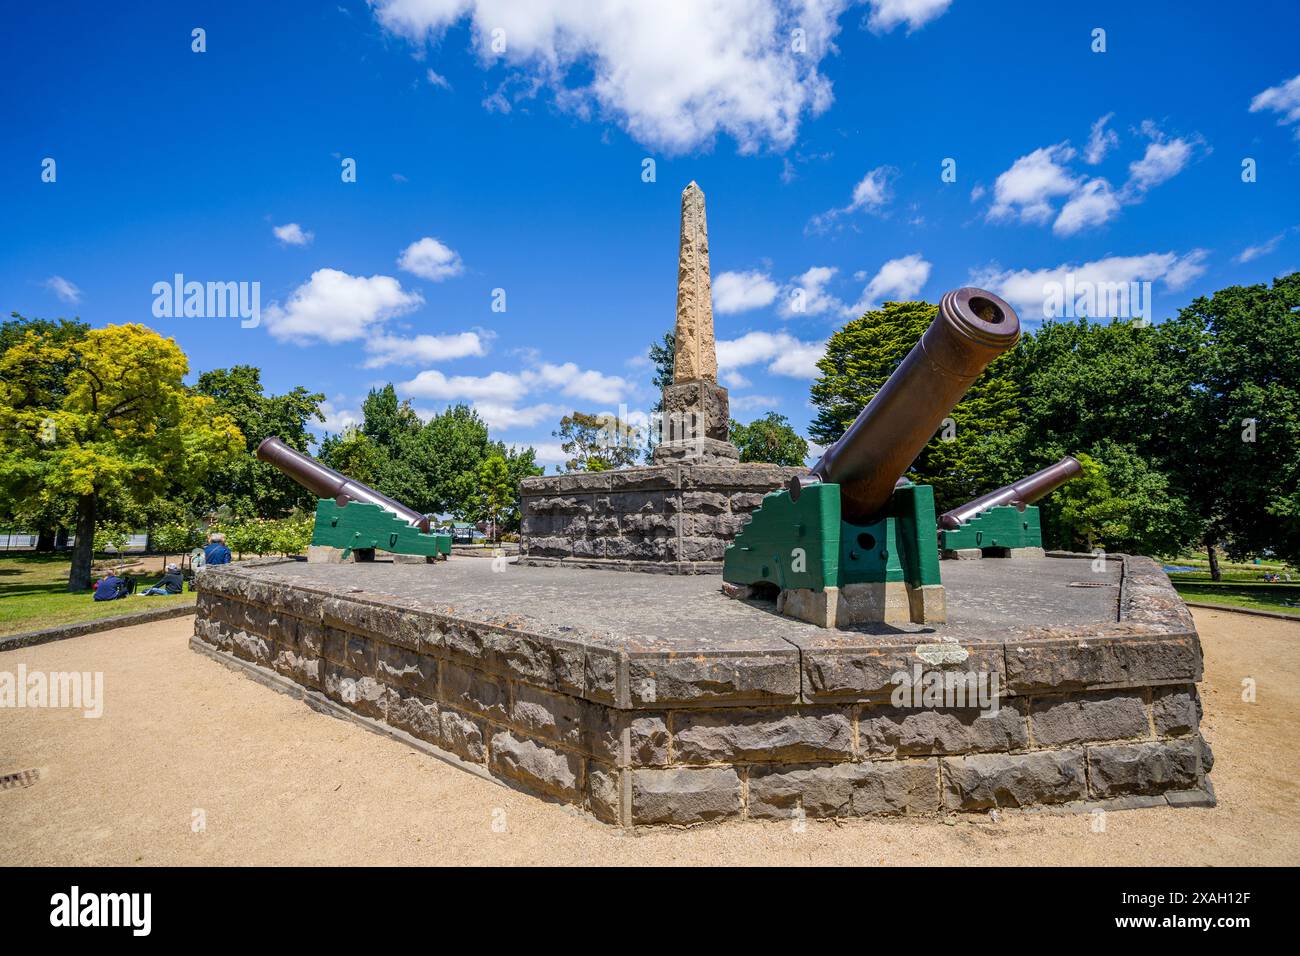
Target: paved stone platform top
{"points": [[1045, 624]]}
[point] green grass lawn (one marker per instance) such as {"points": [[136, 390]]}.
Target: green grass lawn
{"points": [[1264, 597], [33, 596]]}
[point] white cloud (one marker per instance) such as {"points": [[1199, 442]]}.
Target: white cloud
{"points": [[499, 388], [508, 388], [502, 417], [292, 234], [385, 349], [1263, 249], [334, 307], [732, 378], [64, 289], [1161, 162], [1093, 205], [430, 259], [578, 383], [783, 353], [898, 280], [1033, 181], [548, 453], [872, 194], [807, 295], [887, 14], [1100, 141], [872, 191], [1284, 99], [1028, 191], [752, 403], [337, 419], [742, 291], [438, 80], [674, 75], [1026, 289]]}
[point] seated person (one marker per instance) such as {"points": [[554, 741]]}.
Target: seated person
{"points": [[216, 551], [171, 583], [111, 587]]}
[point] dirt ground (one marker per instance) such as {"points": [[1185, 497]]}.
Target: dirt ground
{"points": [[193, 763]]}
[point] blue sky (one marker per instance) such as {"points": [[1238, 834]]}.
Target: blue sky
{"points": [[502, 146]]}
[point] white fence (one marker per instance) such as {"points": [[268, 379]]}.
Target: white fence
{"points": [[17, 541]]}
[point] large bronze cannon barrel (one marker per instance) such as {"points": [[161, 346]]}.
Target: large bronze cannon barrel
{"points": [[1023, 492], [973, 328], [325, 482]]}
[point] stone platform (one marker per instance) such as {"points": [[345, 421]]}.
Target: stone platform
{"points": [[651, 699], [672, 518]]}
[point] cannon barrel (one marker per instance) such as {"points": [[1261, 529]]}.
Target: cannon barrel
{"points": [[325, 482], [973, 328], [1023, 492]]}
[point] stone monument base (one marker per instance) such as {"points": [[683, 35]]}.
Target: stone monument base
{"points": [[670, 518], [647, 700]]}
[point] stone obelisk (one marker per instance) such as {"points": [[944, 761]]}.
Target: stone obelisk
{"points": [[695, 411]]}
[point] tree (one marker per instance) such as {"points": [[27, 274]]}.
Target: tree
{"points": [[495, 491], [521, 463], [663, 356], [1118, 392], [862, 355], [1239, 452], [353, 454], [125, 429], [769, 439], [251, 487], [452, 446], [597, 442], [395, 430], [44, 386]]}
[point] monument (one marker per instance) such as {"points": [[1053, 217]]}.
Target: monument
{"points": [[678, 514], [1057, 681], [695, 409]]}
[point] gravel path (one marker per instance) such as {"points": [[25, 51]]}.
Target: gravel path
{"points": [[183, 737]]}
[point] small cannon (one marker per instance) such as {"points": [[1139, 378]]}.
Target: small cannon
{"points": [[353, 518], [1004, 520], [853, 540]]}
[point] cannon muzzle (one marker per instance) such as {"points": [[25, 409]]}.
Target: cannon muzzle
{"points": [[325, 482], [973, 328], [1023, 492]]}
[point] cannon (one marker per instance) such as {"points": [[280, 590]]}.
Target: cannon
{"points": [[353, 519], [1004, 521], [854, 540]]}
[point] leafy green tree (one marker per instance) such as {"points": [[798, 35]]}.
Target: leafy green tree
{"points": [[663, 357], [353, 454], [396, 431], [1120, 393], [251, 487], [597, 442], [495, 492], [452, 445], [124, 430], [1239, 455], [521, 463], [859, 359], [44, 385], [769, 439]]}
